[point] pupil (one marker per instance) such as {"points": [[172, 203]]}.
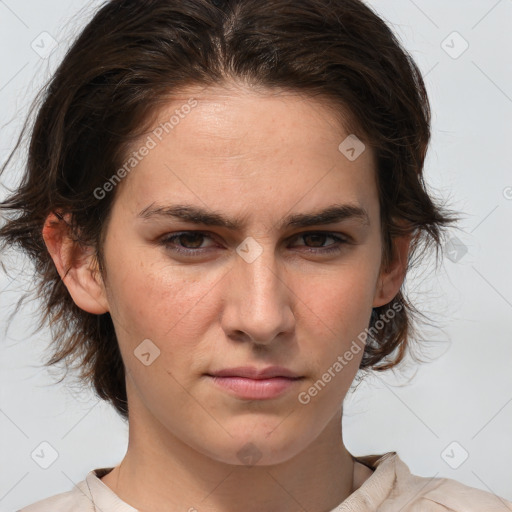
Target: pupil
{"points": [[191, 236], [317, 237]]}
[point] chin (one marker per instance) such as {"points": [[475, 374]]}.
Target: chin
{"points": [[258, 447]]}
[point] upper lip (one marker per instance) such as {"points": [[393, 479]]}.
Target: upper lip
{"points": [[252, 372]]}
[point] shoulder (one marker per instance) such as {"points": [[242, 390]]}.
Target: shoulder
{"points": [[79, 499], [411, 493], [448, 494]]}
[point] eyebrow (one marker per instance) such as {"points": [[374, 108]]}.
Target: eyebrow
{"points": [[198, 215]]}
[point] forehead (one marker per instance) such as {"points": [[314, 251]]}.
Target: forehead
{"points": [[223, 117], [242, 145]]}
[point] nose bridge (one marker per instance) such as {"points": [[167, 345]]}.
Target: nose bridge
{"points": [[261, 276], [260, 304]]}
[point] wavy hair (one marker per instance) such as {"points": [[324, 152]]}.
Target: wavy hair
{"points": [[133, 56]]}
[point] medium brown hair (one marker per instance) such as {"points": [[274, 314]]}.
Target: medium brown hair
{"points": [[134, 55]]}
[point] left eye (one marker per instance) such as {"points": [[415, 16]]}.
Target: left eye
{"points": [[190, 242], [319, 238]]}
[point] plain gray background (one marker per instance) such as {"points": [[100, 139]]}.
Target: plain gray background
{"points": [[451, 417]]}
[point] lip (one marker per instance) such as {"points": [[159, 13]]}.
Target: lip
{"points": [[251, 383], [255, 389], [251, 372]]}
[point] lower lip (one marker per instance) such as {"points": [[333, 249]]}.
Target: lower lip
{"points": [[255, 389]]}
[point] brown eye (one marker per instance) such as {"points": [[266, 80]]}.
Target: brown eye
{"points": [[191, 240], [315, 242], [316, 239], [187, 242]]}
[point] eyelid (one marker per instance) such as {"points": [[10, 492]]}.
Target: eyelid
{"points": [[340, 239], [211, 235], [176, 234], [333, 234]]}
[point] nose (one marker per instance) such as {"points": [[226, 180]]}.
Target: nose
{"points": [[258, 300]]}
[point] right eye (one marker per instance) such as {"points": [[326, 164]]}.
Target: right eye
{"points": [[190, 239]]}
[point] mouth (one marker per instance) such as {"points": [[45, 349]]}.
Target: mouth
{"points": [[255, 389], [251, 372], [250, 383]]}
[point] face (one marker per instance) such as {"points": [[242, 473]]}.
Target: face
{"points": [[190, 295]]}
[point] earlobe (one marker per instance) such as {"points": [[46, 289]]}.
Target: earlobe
{"points": [[390, 280], [76, 265]]}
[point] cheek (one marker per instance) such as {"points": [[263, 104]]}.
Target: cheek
{"points": [[338, 302], [336, 310], [336, 315], [174, 314], [158, 302]]}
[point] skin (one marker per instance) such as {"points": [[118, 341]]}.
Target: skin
{"points": [[259, 156]]}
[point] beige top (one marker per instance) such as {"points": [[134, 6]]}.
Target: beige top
{"points": [[391, 488]]}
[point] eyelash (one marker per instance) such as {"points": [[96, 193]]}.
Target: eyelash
{"points": [[167, 242]]}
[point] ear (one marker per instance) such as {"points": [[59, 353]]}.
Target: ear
{"points": [[76, 265], [390, 279]]}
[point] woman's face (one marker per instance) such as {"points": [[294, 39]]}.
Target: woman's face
{"points": [[255, 290]]}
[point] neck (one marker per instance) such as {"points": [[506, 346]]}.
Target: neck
{"points": [[160, 473]]}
